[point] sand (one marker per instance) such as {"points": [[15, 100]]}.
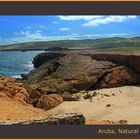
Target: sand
{"points": [[110, 105], [13, 111], [122, 103]]}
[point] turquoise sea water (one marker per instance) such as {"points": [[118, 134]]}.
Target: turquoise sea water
{"points": [[14, 63]]}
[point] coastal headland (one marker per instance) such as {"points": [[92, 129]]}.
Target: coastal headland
{"points": [[74, 87]]}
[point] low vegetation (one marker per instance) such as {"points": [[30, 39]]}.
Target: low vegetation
{"points": [[109, 44]]}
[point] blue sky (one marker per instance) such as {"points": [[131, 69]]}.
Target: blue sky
{"points": [[17, 29]]}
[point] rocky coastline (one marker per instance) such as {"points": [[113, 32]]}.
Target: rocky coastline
{"points": [[65, 77]]}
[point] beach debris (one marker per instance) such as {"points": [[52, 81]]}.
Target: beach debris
{"points": [[108, 105], [68, 97], [107, 122], [94, 94], [87, 96], [120, 91], [123, 121], [106, 95]]}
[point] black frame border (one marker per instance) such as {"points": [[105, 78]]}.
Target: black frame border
{"points": [[70, 8]]}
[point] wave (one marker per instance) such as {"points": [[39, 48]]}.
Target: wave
{"points": [[16, 76]]}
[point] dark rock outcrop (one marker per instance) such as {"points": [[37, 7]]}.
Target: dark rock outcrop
{"points": [[41, 72], [45, 57], [56, 48], [58, 119], [128, 60], [68, 97], [131, 61], [74, 72]]}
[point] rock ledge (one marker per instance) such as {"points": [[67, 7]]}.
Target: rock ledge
{"points": [[59, 119]]}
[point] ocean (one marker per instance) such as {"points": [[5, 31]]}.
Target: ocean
{"points": [[15, 63]]}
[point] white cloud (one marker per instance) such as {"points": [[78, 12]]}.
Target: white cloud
{"points": [[34, 37], [31, 35], [105, 35], [64, 29], [28, 27], [55, 22], [79, 17], [24, 36], [97, 20], [107, 19]]}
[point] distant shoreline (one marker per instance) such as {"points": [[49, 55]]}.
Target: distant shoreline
{"points": [[24, 50]]}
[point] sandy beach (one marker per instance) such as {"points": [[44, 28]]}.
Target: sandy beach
{"points": [[14, 111], [119, 105], [112, 104]]}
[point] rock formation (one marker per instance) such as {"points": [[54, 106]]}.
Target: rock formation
{"points": [[128, 60], [58, 75], [73, 72], [48, 102], [17, 100], [45, 57], [119, 76], [11, 88], [58, 119]]}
